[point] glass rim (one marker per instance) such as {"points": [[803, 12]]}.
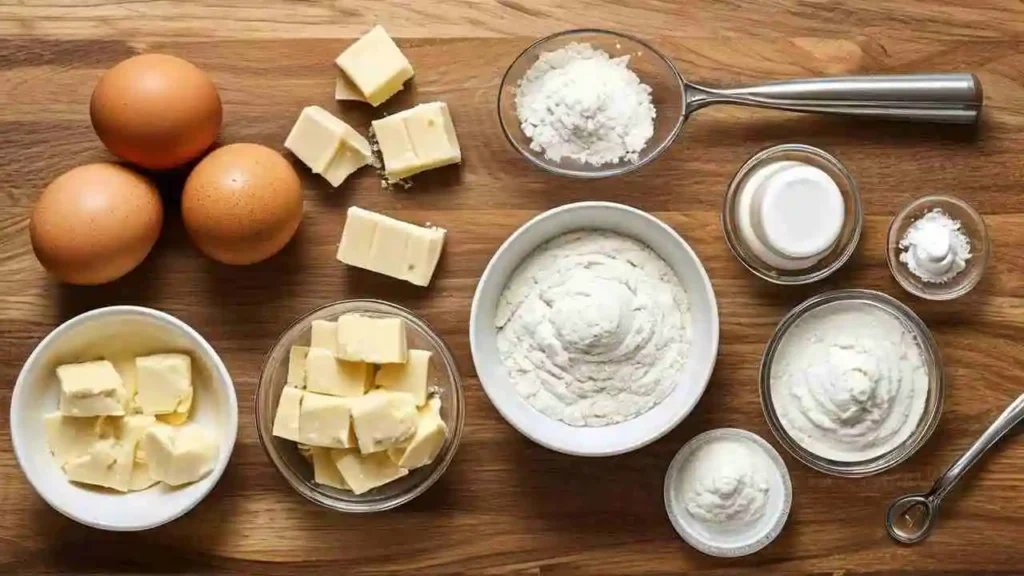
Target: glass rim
{"points": [[601, 173], [936, 385], [306, 488]]}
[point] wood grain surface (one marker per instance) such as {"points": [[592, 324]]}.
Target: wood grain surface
{"points": [[506, 505]]}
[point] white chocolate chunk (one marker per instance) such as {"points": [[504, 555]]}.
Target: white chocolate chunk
{"points": [[372, 339], [391, 247], [383, 420], [375, 65], [410, 377], [364, 472], [426, 444], [325, 421], [325, 374]]}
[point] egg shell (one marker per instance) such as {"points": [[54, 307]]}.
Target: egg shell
{"points": [[156, 111], [95, 223], [242, 203]]}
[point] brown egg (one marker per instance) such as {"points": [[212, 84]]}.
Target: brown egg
{"points": [[242, 203], [95, 223], [156, 111]]}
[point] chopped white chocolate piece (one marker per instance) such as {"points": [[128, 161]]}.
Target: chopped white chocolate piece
{"points": [[324, 335], [325, 421], [383, 420], [372, 339], [388, 246], [418, 139], [297, 367], [325, 471], [410, 377], [425, 445], [325, 374], [364, 472], [375, 65], [286, 419]]}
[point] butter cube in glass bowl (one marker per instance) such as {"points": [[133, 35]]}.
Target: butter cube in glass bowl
{"points": [[443, 382]]}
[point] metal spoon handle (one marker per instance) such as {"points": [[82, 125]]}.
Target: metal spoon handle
{"points": [[943, 98], [1013, 414]]}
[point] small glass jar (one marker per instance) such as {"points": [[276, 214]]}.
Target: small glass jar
{"points": [[971, 224], [823, 264]]}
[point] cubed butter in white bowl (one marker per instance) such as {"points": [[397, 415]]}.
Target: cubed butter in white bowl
{"points": [[199, 448], [629, 434]]}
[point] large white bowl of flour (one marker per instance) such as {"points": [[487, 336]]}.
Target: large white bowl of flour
{"points": [[594, 329]]}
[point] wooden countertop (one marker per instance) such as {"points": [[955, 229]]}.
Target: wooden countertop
{"points": [[507, 505]]}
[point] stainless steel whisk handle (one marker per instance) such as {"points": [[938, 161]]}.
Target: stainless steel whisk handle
{"points": [[943, 98]]}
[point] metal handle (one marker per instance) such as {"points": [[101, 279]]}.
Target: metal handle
{"points": [[944, 98], [1013, 414], [910, 518]]}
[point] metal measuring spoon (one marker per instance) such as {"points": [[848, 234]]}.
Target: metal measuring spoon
{"points": [[911, 517]]}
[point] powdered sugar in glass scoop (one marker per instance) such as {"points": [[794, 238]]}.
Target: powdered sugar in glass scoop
{"points": [[579, 103]]}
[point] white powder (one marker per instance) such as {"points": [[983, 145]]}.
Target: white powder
{"points": [[849, 382], [594, 328], [578, 102], [726, 482], [934, 248]]}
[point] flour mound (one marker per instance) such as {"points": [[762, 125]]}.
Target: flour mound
{"points": [[577, 102]]}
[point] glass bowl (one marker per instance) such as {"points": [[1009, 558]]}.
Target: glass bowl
{"points": [[971, 223], [844, 245], [933, 403], [653, 69], [443, 379]]}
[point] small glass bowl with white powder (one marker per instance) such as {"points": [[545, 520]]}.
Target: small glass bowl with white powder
{"points": [[590, 103], [728, 492], [938, 247], [852, 382], [792, 214]]}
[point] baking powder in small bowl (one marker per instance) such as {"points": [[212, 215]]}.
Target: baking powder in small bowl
{"points": [[728, 492]]}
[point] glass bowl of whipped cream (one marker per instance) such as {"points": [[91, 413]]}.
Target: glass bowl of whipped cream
{"points": [[937, 247], [298, 464], [852, 382], [590, 103]]}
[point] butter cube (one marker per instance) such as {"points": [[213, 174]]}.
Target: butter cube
{"points": [[325, 421], [91, 389], [179, 454], [364, 472], [109, 462], [417, 139], [370, 339], [286, 419], [391, 247], [70, 436], [328, 145], [98, 466], [375, 65], [141, 478], [383, 420], [426, 444], [325, 471], [164, 383], [325, 374], [297, 367], [410, 377], [324, 335]]}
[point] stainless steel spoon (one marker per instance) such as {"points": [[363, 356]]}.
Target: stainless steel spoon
{"points": [[910, 518], [944, 98]]}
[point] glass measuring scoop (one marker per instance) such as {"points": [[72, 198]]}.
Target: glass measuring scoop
{"points": [[910, 518]]}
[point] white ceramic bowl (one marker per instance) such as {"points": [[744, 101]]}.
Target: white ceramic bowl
{"points": [[616, 438], [729, 541], [124, 330]]}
